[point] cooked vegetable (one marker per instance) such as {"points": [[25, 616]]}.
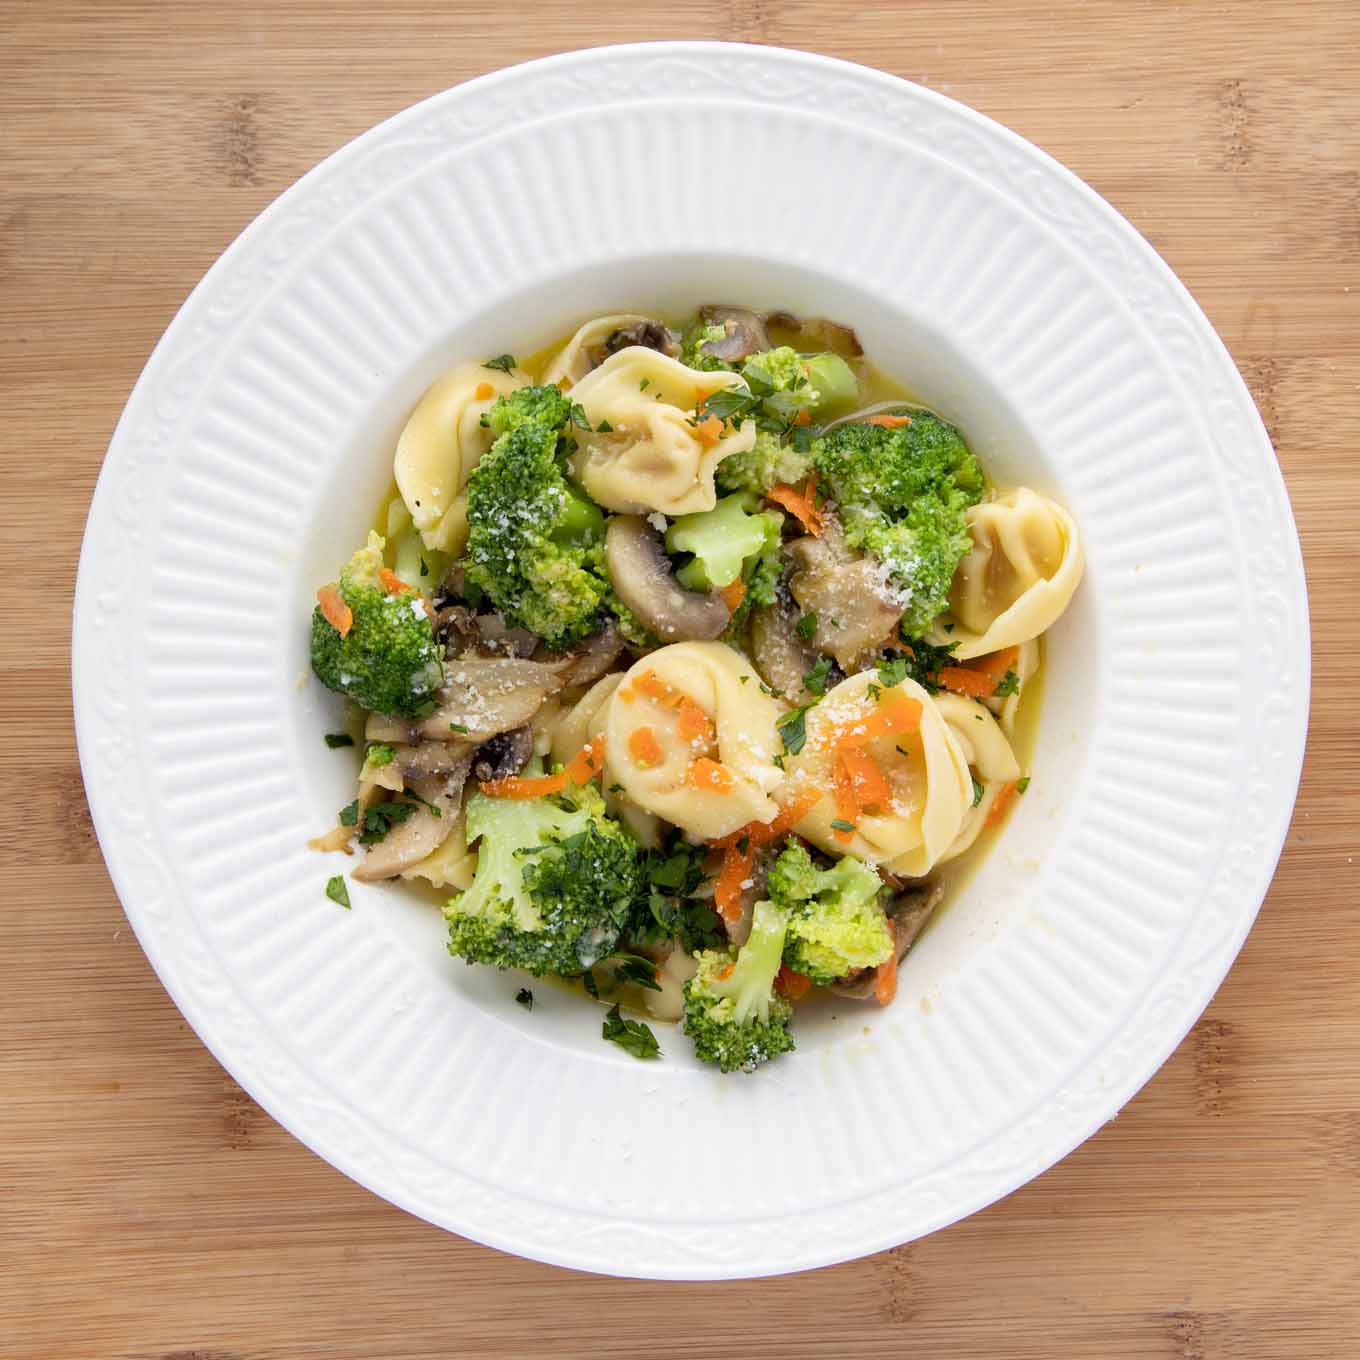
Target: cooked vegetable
{"points": [[732, 1012], [723, 540], [642, 576], [556, 880], [376, 647], [772, 461]]}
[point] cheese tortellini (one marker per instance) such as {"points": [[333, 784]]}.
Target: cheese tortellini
{"points": [[651, 455], [442, 442], [578, 355], [926, 770], [691, 737], [989, 758], [1019, 575]]}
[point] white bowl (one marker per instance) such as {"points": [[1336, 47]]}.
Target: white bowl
{"points": [[1012, 298]]}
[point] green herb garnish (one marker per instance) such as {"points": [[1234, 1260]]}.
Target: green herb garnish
{"points": [[335, 740], [793, 729], [815, 680], [840, 824], [337, 891], [1022, 784], [1008, 684], [503, 363], [349, 814], [977, 789], [806, 627], [525, 998], [631, 1035], [381, 818]]}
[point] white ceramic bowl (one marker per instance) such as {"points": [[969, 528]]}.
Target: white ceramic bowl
{"points": [[492, 217]]}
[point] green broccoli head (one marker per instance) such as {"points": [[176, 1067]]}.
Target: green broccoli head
{"points": [[771, 461], [388, 660], [533, 544], [903, 494], [724, 541], [836, 921], [732, 1012], [556, 880]]}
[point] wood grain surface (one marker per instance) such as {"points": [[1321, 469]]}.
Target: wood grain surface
{"points": [[149, 1209]]}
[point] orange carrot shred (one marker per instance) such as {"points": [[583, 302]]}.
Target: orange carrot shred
{"points": [[392, 583], [709, 430], [996, 664], [733, 595], [644, 747], [709, 775], [802, 418], [794, 986], [525, 786], [869, 787], [895, 715], [334, 610], [889, 422], [694, 727], [885, 978], [586, 763], [484, 391], [801, 504], [736, 870], [654, 687], [847, 806], [761, 833], [1004, 797], [971, 684]]}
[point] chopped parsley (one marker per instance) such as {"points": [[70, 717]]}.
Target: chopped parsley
{"points": [[335, 740], [840, 824], [604, 427], [1022, 784], [815, 680], [380, 755], [631, 1035], [457, 727], [424, 567], [635, 969], [381, 818], [977, 789], [337, 891], [525, 998], [349, 814], [1008, 684], [616, 788], [503, 363], [924, 662], [588, 982], [793, 729], [806, 626], [892, 670], [644, 384]]}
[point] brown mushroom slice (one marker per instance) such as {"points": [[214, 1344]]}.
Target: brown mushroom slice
{"points": [[593, 657], [380, 727], [641, 573], [429, 759], [813, 331], [855, 617], [423, 832], [779, 654], [486, 695], [649, 334], [744, 333], [505, 754]]}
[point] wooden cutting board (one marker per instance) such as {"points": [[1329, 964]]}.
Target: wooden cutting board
{"points": [[149, 1209]]}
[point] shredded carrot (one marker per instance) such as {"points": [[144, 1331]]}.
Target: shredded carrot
{"points": [[996, 664], [867, 784], [627, 694], [334, 610], [530, 786], [709, 775], [392, 583], [889, 422], [1004, 797], [733, 595], [794, 986], [644, 747], [726, 972], [895, 715], [694, 727], [761, 833], [971, 684], [801, 504], [802, 418], [885, 980], [709, 430], [484, 391], [736, 870], [847, 806], [654, 687], [586, 763]]}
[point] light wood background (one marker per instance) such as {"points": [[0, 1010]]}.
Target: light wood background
{"points": [[149, 1209]]}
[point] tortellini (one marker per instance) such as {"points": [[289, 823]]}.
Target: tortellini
{"points": [[652, 455], [584, 722], [1007, 707], [988, 755], [577, 357], [442, 442], [451, 865], [926, 771], [691, 737], [1019, 575]]}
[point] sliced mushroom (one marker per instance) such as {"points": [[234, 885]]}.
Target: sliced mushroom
{"points": [[429, 759], [779, 654], [642, 575], [811, 331], [855, 616], [485, 695], [648, 334], [505, 754], [424, 831], [499, 639], [462, 631], [593, 658], [744, 333]]}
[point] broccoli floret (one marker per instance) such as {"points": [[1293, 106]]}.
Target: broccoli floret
{"points": [[556, 880], [723, 540], [770, 461], [635, 632], [836, 921], [545, 406], [388, 660], [732, 1012], [903, 493], [533, 545]]}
